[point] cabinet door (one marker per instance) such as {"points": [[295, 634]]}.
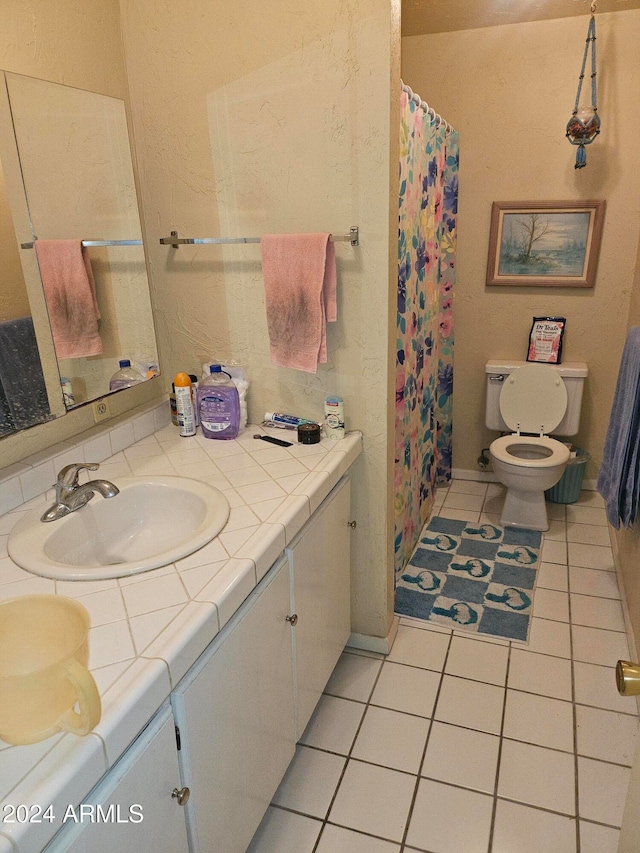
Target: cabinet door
{"points": [[235, 712], [131, 808], [320, 559]]}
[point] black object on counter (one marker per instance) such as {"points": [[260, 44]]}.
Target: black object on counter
{"points": [[309, 434], [277, 441]]}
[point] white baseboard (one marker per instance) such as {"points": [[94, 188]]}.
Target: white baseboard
{"points": [[490, 477], [477, 476], [381, 645]]}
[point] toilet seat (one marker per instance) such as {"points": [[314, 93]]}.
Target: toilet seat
{"points": [[533, 400], [558, 453]]}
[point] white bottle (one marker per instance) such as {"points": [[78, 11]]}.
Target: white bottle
{"points": [[334, 418], [67, 392]]}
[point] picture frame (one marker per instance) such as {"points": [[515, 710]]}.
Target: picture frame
{"points": [[545, 243], [545, 340]]}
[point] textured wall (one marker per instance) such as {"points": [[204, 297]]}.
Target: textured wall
{"points": [[76, 42], [510, 90], [249, 120]]}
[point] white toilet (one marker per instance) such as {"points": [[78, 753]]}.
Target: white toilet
{"points": [[530, 401]]}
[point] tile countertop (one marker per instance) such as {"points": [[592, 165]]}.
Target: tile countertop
{"points": [[148, 629]]}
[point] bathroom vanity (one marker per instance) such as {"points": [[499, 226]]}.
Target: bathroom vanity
{"points": [[200, 723]]}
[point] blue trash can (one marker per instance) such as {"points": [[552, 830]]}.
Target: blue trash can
{"points": [[567, 489]]}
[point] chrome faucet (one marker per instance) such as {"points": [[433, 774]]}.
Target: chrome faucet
{"points": [[70, 495]]}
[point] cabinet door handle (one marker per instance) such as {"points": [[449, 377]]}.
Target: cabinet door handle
{"points": [[293, 619], [352, 524], [181, 795]]}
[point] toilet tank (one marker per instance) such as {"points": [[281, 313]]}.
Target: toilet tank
{"points": [[573, 374]]}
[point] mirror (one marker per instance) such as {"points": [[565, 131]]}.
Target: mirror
{"points": [[87, 267]]}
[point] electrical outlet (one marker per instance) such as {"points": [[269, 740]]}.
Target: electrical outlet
{"points": [[101, 410]]}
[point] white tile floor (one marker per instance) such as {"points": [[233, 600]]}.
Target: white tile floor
{"points": [[456, 744]]}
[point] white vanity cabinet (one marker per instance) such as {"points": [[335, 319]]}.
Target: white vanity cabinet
{"points": [[241, 708], [132, 808], [235, 713], [320, 566]]}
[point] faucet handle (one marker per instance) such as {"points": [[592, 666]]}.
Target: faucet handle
{"points": [[68, 476]]}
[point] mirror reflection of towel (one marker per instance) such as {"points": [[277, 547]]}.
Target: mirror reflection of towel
{"points": [[70, 294]]}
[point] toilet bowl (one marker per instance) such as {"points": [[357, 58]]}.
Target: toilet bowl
{"points": [[527, 466], [533, 401]]}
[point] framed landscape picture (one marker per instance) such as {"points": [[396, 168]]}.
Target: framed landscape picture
{"points": [[545, 243]]}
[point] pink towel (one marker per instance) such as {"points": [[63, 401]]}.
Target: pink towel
{"points": [[300, 287], [70, 294]]}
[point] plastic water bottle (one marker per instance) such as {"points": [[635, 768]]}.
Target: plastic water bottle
{"points": [[218, 405], [125, 377]]}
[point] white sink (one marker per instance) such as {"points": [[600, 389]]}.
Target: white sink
{"points": [[153, 521]]}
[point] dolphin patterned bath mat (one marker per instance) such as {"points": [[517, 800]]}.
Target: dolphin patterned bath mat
{"points": [[473, 577]]}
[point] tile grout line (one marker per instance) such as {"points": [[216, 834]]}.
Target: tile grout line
{"points": [[346, 763], [574, 715], [403, 840], [514, 689], [459, 784], [494, 804], [499, 758]]}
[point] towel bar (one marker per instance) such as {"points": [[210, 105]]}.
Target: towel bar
{"points": [[92, 243], [352, 237]]}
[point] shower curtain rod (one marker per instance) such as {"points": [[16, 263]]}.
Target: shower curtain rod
{"points": [[429, 110]]}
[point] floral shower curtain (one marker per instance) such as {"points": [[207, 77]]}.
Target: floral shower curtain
{"points": [[424, 362]]}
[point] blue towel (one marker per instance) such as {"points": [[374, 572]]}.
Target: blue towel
{"points": [[23, 395], [618, 479]]}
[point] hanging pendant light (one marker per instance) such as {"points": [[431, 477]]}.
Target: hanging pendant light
{"points": [[584, 124]]}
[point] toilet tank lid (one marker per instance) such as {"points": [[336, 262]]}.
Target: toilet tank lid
{"points": [[568, 368]]}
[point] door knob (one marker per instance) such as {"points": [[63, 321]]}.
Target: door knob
{"points": [[628, 678], [181, 795]]}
